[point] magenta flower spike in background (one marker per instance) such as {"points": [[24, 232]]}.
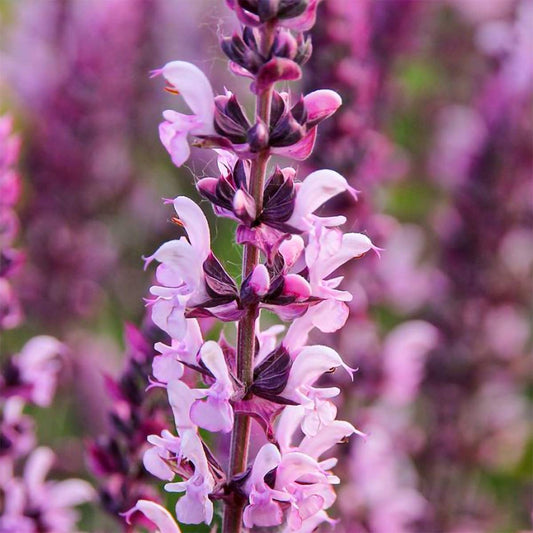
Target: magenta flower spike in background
{"points": [[10, 258], [29, 503]]}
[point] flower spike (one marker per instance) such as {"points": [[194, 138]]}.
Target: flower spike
{"points": [[291, 254]]}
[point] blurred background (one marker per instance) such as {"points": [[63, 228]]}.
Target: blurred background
{"points": [[436, 133]]}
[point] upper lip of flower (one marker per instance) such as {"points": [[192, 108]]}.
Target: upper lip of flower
{"points": [[191, 83]]}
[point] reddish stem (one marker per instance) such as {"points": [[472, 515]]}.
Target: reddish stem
{"points": [[246, 329]]}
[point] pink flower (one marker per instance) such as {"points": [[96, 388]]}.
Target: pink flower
{"points": [[329, 249], [315, 190], [214, 413], [327, 316], [264, 509], [181, 270], [195, 506], [52, 500], [189, 81], [167, 366], [156, 458], [299, 481], [38, 366], [181, 399], [310, 363], [315, 446], [157, 514], [289, 208], [326, 251]]}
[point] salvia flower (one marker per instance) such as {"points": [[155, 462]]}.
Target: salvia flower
{"points": [[221, 122], [291, 256]]}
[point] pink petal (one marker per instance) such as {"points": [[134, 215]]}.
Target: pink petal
{"points": [[194, 510], [166, 368], [169, 316], [288, 422], [70, 492], [213, 357], [261, 514], [178, 148], [158, 515], [301, 150], [181, 398], [183, 260], [297, 286], [260, 280], [305, 21], [328, 316], [294, 465], [36, 469], [154, 463], [291, 249], [310, 364], [319, 187], [196, 90], [353, 245], [333, 433], [212, 415], [267, 458], [321, 104], [195, 223]]}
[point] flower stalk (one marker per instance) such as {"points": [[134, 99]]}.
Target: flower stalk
{"points": [[289, 254], [240, 438]]}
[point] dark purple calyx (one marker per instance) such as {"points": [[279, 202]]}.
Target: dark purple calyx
{"points": [[219, 284], [230, 120], [270, 10], [271, 376]]}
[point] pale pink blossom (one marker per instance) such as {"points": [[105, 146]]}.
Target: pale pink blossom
{"points": [[181, 270], [315, 190], [309, 364], [189, 81], [185, 349], [215, 412], [327, 316], [327, 250], [53, 500], [163, 448], [195, 506], [39, 365], [157, 514], [299, 481]]}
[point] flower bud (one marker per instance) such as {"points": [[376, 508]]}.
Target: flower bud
{"points": [[260, 280], [243, 51], [244, 206], [258, 136], [255, 286]]}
